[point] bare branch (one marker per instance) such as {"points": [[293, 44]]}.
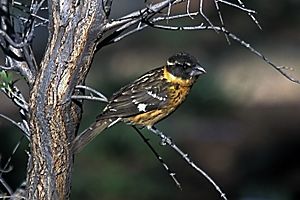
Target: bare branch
{"points": [[86, 97], [24, 130], [167, 141], [221, 19], [32, 11], [242, 8], [11, 120], [169, 10], [188, 4], [6, 186], [251, 15], [4, 68], [137, 16], [145, 24], [20, 192], [280, 69], [7, 168], [159, 158], [21, 67], [17, 195], [147, 14], [30, 25], [203, 15], [18, 45], [92, 92], [107, 7], [12, 92]]}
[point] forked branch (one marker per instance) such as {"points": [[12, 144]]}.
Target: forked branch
{"points": [[93, 94]]}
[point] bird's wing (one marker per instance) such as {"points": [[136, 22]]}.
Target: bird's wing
{"points": [[147, 93]]}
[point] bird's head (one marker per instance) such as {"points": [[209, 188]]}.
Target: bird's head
{"points": [[184, 66]]}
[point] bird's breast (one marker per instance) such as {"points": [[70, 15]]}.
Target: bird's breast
{"points": [[176, 96]]}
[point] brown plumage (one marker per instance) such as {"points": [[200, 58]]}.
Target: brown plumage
{"points": [[149, 99]]}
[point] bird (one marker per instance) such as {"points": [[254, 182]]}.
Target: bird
{"points": [[147, 100]]}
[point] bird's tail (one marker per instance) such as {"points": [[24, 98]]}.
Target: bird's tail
{"points": [[89, 134]]}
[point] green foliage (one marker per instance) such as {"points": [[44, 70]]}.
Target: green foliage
{"points": [[6, 79]]}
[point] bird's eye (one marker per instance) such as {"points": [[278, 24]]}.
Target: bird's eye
{"points": [[186, 65]]}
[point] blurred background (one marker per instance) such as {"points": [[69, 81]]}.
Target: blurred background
{"points": [[240, 124]]}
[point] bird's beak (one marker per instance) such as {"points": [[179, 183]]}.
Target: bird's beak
{"points": [[198, 70]]}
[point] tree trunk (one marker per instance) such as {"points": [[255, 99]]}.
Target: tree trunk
{"points": [[74, 27]]}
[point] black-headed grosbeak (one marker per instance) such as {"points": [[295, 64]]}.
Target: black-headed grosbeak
{"points": [[149, 99]]}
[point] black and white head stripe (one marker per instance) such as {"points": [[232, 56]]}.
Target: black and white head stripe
{"points": [[183, 59], [185, 66]]}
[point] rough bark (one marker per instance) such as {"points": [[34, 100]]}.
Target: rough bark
{"points": [[74, 28]]}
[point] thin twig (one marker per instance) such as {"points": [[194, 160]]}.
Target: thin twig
{"points": [[31, 62], [107, 7], [5, 68], [101, 97], [11, 155], [17, 124], [140, 14], [40, 18], [86, 97], [221, 19], [7, 169], [251, 15], [188, 4], [11, 42], [15, 95], [169, 11], [159, 158], [167, 141], [280, 69], [20, 192], [204, 16], [6, 186], [19, 66], [145, 25], [242, 8], [12, 92]]}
